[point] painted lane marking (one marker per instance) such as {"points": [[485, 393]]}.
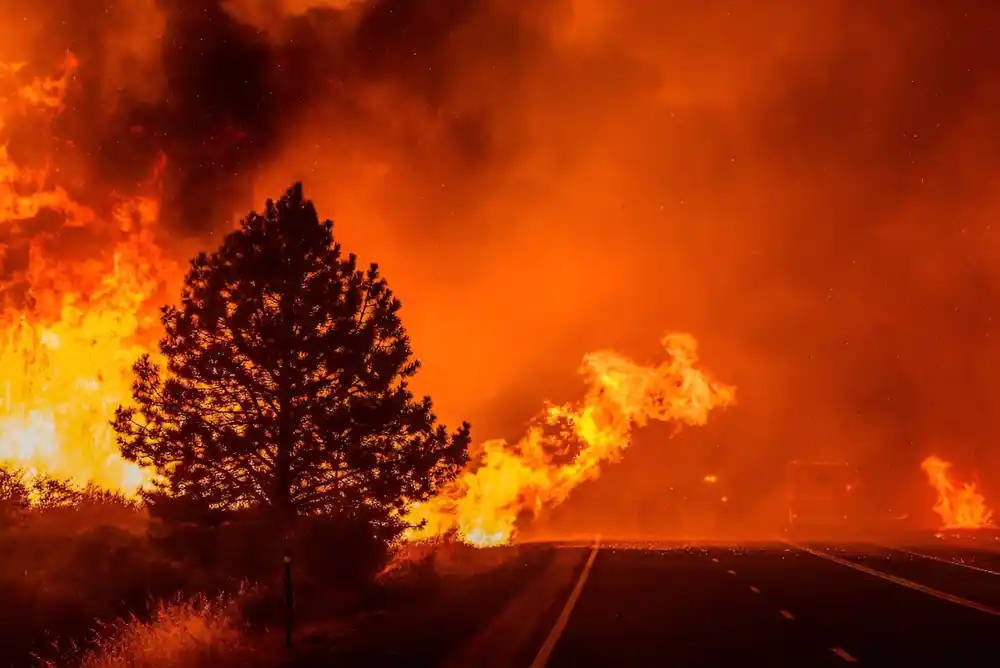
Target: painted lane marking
{"points": [[842, 653], [903, 582], [549, 645], [941, 559]]}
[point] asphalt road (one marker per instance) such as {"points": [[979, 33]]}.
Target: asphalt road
{"points": [[775, 605]]}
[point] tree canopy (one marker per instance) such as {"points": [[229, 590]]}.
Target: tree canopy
{"points": [[283, 381]]}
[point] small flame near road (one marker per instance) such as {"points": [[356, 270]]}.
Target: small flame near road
{"points": [[960, 505]]}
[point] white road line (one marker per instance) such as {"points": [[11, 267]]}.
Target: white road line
{"points": [[842, 653], [787, 615], [731, 572], [941, 559], [755, 590], [545, 652], [903, 582]]}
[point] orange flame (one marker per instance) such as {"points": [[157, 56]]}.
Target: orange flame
{"points": [[571, 443], [68, 331], [68, 341], [960, 506]]}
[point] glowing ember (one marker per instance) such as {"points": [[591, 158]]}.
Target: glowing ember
{"points": [[572, 443], [960, 506], [68, 331]]}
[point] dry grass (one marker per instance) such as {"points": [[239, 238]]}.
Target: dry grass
{"points": [[460, 560], [446, 558], [197, 633]]}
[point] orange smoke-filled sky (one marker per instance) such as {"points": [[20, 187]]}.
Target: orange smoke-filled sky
{"points": [[807, 187]]}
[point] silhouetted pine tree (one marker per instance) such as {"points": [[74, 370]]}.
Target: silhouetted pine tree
{"points": [[286, 382]]}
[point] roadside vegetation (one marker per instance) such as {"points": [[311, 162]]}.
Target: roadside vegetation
{"points": [[278, 419]]}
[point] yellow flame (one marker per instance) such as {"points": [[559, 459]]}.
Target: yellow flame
{"points": [[959, 506], [539, 471], [66, 352], [65, 358]]}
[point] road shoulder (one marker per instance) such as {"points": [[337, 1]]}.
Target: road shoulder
{"points": [[513, 636]]}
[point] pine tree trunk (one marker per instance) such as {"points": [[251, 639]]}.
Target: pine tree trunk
{"points": [[283, 478]]}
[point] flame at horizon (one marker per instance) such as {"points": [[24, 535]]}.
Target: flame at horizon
{"points": [[960, 505]]}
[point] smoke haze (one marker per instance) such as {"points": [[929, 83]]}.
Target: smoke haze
{"points": [[809, 188]]}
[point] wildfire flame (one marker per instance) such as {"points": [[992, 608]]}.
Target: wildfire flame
{"points": [[69, 331], [960, 506], [507, 480]]}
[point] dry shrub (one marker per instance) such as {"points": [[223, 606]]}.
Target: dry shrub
{"points": [[75, 559], [196, 633], [445, 558], [72, 558], [411, 560], [461, 560]]}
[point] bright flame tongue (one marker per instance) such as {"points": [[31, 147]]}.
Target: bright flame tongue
{"points": [[960, 507], [484, 503], [67, 330], [67, 346]]}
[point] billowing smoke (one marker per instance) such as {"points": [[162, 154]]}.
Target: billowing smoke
{"points": [[217, 88], [808, 187]]}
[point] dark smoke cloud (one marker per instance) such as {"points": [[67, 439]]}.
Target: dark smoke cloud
{"points": [[228, 93], [807, 187]]}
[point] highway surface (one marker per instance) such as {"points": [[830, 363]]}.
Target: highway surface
{"points": [[777, 605]]}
